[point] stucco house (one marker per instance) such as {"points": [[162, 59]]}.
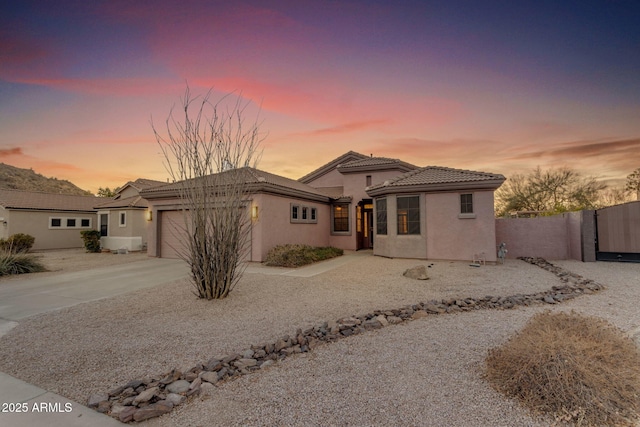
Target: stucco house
{"points": [[123, 221], [55, 220], [354, 202]]}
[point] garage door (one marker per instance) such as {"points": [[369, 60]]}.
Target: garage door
{"points": [[172, 234]]}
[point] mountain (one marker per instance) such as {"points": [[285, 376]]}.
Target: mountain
{"points": [[14, 178]]}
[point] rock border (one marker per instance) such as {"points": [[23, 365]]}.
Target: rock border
{"points": [[151, 397]]}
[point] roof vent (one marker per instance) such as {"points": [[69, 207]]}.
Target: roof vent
{"points": [[261, 179], [384, 184]]}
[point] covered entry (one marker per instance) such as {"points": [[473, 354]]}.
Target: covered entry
{"points": [[364, 224]]}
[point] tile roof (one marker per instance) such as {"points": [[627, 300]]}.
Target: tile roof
{"points": [[328, 167], [257, 180], [127, 202], [372, 163], [33, 200], [143, 183], [434, 178]]}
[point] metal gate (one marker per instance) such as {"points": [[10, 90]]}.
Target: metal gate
{"points": [[618, 233]]}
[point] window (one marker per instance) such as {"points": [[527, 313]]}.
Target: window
{"points": [[71, 222], [368, 180], [123, 219], [466, 207], [408, 215], [303, 214], [340, 218], [466, 203], [381, 216]]}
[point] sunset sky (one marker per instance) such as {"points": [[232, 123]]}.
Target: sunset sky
{"points": [[493, 86]]}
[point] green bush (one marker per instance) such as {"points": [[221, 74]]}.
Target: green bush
{"points": [[17, 243], [19, 263], [298, 255], [91, 240]]}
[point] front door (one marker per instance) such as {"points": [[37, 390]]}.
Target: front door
{"points": [[364, 224]]}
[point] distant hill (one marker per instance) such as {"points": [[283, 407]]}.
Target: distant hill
{"points": [[14, 178]]}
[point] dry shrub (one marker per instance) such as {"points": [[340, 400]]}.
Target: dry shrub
{"points": [[578, 369]]}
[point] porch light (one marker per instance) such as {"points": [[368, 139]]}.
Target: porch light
{"points": [[148, 215], [254, 212]]}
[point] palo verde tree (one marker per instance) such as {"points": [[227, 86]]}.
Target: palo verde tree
{"points": [[208, 151], [548, 192]]}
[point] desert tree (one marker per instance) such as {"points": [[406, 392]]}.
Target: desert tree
{"points": [[633, 183], [208, 151], [107, 192], [549, 192]]}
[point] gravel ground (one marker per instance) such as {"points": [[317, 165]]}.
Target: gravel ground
{"points": [[68, 260], [426, 372]]}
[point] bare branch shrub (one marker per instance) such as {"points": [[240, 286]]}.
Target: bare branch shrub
{"points": [[578, 369], [208, 151]]}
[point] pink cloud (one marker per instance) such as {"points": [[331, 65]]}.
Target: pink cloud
{"points": [[335, 102], [109, 87]]}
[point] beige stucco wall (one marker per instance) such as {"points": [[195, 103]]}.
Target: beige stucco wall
{"points": [[274, 227], [36, 224], [136, 225], [451, 237], [555, 237], [133, 235], [443, 234]]}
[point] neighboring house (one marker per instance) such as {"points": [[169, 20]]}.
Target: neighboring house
{"points": [[355, 202], [55, 220], [123, 220]]}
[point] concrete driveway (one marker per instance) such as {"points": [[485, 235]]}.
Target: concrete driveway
{"points": [[39, 294], [36, 294]]}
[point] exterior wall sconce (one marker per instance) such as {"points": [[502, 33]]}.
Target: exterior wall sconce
{"points": [[254, 212], [148, 215]]}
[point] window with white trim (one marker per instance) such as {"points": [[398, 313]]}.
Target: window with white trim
{"points": [[122, 221]]}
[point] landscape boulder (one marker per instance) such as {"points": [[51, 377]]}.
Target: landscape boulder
{"points": [[418, 272]]}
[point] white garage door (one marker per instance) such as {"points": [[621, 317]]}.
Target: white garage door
{"points": [[172, 234]]}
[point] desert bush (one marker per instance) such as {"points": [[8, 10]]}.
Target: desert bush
{"points": [[91, 239], [19, 263], [298, 255], [17, 243], [578, 369]]}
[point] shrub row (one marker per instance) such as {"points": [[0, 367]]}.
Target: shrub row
{"points": [[299, 255]]}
